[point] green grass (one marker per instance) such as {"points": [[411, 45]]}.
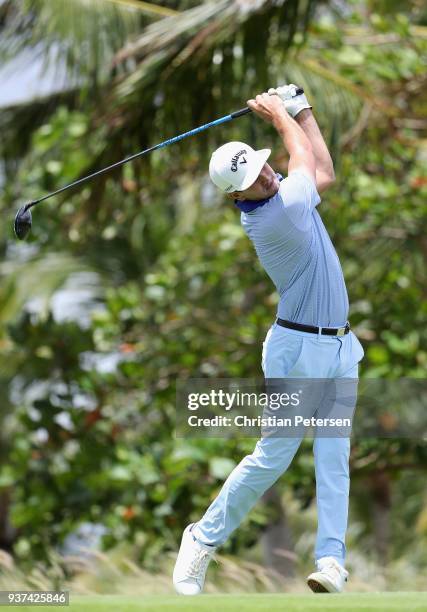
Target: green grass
{"points": [[366, 602]]}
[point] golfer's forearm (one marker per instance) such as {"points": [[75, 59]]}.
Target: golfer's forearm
{"points": [[293, 136], [324, 163]]}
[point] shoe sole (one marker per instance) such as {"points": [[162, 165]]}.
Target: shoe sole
{"points": [[316, 587]]}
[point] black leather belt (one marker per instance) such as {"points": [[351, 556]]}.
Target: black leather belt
{"points": [[312, 329]]}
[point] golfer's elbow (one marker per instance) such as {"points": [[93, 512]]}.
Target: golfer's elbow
{"points": [[324, 180], [330, 177]]}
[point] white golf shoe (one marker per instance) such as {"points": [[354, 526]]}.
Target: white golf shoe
{"points": [[330, 577], [191, 564]]}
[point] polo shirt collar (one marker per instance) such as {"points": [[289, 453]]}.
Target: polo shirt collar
{"points": [[250, 205]]}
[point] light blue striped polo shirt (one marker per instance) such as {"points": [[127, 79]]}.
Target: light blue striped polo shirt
{"points": [[295, 250]]}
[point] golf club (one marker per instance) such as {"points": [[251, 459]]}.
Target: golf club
{"points": [[23, 218]]}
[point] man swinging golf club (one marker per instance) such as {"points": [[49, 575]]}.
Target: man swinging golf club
{"points": [[310, 338]]}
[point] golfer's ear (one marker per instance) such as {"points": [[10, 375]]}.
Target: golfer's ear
{"points": [[233, 196]]}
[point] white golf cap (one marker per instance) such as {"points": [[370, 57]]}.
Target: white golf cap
{"points": [[236, 166]]}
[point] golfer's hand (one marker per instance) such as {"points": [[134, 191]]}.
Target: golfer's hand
{"points": [[294, 103], [267, 107]]}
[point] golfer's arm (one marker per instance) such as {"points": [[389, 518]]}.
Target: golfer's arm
{"points": [[325, 174], [297, 143]]}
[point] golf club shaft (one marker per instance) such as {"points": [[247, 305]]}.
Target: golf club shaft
{"points": [[230, 117]]}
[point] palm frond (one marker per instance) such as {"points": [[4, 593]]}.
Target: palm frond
{"points": [[146, 7], [183, 27], [60, 36], [84, 35], [182, 68], [199, 57], [207, 58], [310, 65]]}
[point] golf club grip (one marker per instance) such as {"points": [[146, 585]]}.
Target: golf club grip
{"points": [[246, 110], [239, 113]]}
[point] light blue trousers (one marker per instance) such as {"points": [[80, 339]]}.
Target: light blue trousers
{"points": [[293, 354]]}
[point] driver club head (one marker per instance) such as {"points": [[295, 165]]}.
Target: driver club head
{"points": [[23, 222]]}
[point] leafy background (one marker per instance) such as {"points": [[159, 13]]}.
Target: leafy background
{"points": [[144, 276]]}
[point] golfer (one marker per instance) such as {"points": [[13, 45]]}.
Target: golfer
{"points": [[310, 338]]}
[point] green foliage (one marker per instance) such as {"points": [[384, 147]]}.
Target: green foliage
{"points": [[94, 407]]}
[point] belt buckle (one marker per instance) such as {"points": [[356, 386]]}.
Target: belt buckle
{"points": [[341, 331]]}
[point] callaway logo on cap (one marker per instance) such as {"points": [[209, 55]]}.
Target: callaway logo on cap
{"points": [[236, 166]]}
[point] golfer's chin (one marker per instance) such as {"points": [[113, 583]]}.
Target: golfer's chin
{"points": [[274, 187]]}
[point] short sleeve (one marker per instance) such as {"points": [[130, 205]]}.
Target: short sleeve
{"points": [[299, 194]]}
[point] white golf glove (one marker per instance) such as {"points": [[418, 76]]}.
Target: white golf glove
{"points": [[294, 103]]}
